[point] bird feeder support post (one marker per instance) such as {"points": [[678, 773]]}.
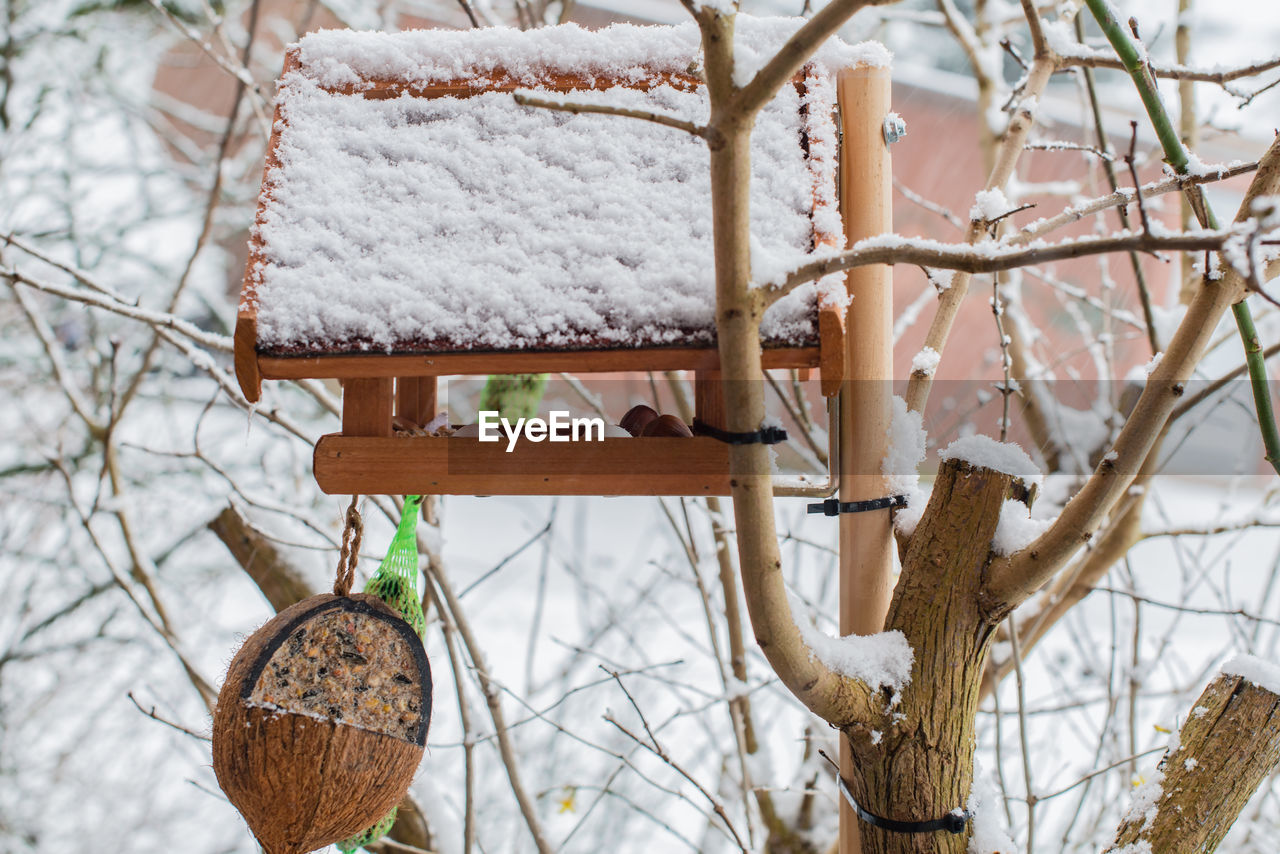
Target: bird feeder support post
{"points": [[708, 399], [416, 399], [367, 406], [866, 539]]}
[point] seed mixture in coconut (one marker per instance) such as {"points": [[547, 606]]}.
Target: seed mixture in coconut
{"points": [[348, 667]]}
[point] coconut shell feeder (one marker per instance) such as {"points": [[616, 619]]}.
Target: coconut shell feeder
{"points": [[322, 720], [416, 222]]}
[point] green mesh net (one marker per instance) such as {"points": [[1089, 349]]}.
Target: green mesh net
{"points": [[396, 583], [370, 836]]}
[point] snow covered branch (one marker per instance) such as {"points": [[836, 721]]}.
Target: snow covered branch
{"points": [[1177, 183], [987, 257]]}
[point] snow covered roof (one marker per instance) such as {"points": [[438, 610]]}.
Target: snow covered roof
{"points": [[411, 206]]}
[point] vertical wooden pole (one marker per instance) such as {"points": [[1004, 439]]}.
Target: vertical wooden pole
{"points": [[416, 399], [366, 407], [708, 399], [866, 539]]}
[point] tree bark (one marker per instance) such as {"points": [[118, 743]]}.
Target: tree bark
{"points": [[919, 766], [1228, 746], [738, 312]]}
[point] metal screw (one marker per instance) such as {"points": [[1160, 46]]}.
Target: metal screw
{"points": [[894, 128]]}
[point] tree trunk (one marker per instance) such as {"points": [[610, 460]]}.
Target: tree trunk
{"points": [[920, 767], [278, 579], [1228, 746]]}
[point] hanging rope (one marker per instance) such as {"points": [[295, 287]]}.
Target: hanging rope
{"points": [[350, 554]]}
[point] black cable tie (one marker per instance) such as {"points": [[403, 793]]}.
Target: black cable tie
{"points": [[834, 507], [763, 436], [953, 822]]}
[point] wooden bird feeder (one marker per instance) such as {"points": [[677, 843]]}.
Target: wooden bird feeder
{"points": [[415, 222]]}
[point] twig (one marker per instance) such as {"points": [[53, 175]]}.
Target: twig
{"points": [[604, 109], [505, 748], [1032, 14], [655, 747], [1062, 145], [1130, 161], [450, 632], [966, 259], [1009, 48], [1075, 213], [211, 207], [155, 717], [1173, 72], [542, 532], [1087, 777], [1006, 387], [915, 198], [1022, 736], [79, 275], [160, 320], [1187, 609], [1217, 385]]}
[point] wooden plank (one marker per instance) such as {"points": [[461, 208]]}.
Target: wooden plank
{"points": [[366, 407], [831, 347], [498, 80], [245, 341], [245, 354], [416, 399], [430, 465], [708, 399], [518, 362]]}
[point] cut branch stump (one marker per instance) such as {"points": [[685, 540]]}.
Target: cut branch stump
{"points": [[1228, 746]]}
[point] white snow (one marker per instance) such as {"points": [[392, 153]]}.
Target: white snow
{"points": [[926, 361], [881, 660], [416, 224], [988, 836], [984, 452], [1264, 674], [1145, 799], [343, 58], [1142, 846], [901, 465], [906, 448], [989, 205], [1016, 529]]}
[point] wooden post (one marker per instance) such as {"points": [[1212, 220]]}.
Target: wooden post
{"points": [[866, 540], [416, 399], [708, 399], [366, 407]]}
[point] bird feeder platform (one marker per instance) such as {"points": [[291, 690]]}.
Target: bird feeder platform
{"points": [[416, 222]]}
